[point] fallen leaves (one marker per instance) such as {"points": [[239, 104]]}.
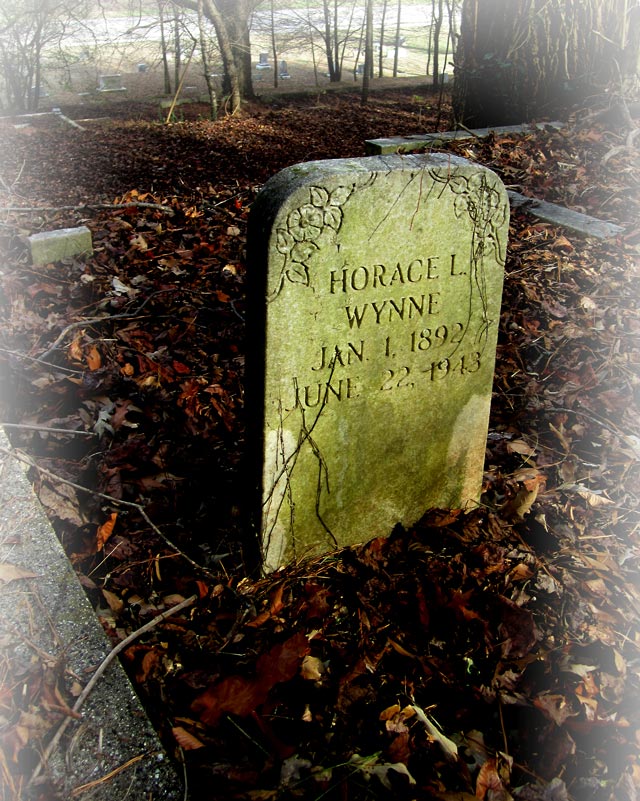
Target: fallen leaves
{"points": [[241, 696]]}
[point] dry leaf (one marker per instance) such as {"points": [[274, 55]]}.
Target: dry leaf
{"points": [[312, 668], [593, 498], [521, 447], [185, 740], [389, 712], [61, 500], [75, 349], [521, 504], [9, 572], [115, 602], [93, 358], [105, 530]]}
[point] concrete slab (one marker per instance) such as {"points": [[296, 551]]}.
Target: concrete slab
{"points": [[567, 218], [113, 743], [49, 246], [408, 144]]}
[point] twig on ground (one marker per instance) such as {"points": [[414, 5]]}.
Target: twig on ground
{"points": [[94, 321], [100, 671], [26, 357], [90, 206], [90, 785], [9, 187], [47, 430]]}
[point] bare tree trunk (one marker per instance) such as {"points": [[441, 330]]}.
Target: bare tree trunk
{"points": [[368, 51], [165, 57], [427, 71], [335, 40], [356, 62], [313, 48], [177, 62], [437, 27], [274, 48], [331, 51], [381, 52], [232, 79], [230, 18], [630, 62], [211, 90], [397, 47]]}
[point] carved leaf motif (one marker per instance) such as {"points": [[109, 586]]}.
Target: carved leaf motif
{"points": [[333, 217], [302, 250], [284, 241], [319, 196], [462, 205], [339, 196], [458, 184], [297, 273]]}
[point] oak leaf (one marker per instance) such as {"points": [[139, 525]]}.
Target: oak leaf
{"points": [[185, 740]]}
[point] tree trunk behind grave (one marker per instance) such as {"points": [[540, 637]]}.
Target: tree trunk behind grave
{"points": [[368, 51], [530, 59], [382, 48], [437, 17], [330, 36], [230, 18], [165, 50]]}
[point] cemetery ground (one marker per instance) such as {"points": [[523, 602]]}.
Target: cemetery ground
{"points": [[492, 654]]}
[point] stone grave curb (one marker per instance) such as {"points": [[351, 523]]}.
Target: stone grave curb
{"points": [[113, 744], [407, 144], [567, 218], [60, 243]]}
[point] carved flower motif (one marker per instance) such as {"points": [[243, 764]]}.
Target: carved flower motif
{"points": [[329, 204], [305, 223], [304, 228]]}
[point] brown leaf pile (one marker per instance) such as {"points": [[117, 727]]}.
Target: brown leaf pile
{"points": [[492, 655]]}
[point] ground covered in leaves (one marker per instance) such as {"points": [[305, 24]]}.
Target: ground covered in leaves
{"points": [[488, 655]]}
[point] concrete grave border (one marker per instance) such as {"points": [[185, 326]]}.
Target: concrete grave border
{"points": [[407, 144], [52, 613]]}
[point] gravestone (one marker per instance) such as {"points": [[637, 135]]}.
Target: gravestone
{"points": [[374, 306], [111, 83], [263, 63], [64, 243]]}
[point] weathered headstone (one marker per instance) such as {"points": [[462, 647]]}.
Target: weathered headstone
{"points": [[111, 83], [263, 62], [375, 301], [64, 243]]}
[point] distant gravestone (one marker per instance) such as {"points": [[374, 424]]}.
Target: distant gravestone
{"points": [[263, 62], [374, 313], [111, 83]]}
